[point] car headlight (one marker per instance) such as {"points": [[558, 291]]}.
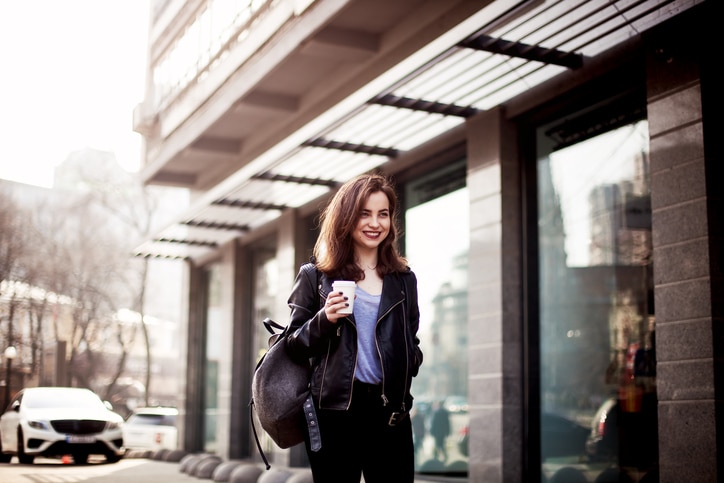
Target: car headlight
{"points": [[39, 425], [112, 425]]}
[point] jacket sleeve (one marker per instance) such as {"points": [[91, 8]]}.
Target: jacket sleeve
{"points": [[414, 320], [309, 329]]}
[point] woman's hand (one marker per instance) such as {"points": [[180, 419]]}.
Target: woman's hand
{"points": [[335, 301]]}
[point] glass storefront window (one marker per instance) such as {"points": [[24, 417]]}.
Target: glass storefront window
{"points": [[213, 331], [436, 246], [597, 353], [266, 287]]}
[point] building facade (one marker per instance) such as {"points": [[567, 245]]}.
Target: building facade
{"points": [[557, 166]]}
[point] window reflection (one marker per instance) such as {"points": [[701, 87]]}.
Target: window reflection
{"points": [[264, 297], [266, 288], [211, 376], [597, 325], [437, 237]]}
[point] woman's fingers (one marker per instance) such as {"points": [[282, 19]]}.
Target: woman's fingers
{"points": [[335, 301]]}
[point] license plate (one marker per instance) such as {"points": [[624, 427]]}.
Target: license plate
{"points": [[79, 439]]}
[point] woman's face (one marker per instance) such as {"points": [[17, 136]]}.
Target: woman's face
{"points": [[373, 225]]}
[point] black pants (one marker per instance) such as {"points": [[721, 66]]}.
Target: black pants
{"points": [[361, 442]]}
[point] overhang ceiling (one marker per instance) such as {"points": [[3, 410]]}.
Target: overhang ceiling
{"points": [[283, 144]]}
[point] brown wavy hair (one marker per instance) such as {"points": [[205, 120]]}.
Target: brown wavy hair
{"points": [[334, 249]]}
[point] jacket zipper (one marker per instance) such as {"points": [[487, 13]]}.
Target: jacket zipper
{"points": [[385, 400], [408, 349]]}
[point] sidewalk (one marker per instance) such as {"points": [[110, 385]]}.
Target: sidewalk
{"points": [[145, 471], [153, 468]]}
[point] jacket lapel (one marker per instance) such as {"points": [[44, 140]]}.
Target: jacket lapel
{"points": [[392, 293]]}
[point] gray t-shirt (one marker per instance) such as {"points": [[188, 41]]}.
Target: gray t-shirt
{"points": [[366, 307]]}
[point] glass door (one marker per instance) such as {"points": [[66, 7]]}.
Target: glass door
{"points": [[597, 324], [436, 246]]}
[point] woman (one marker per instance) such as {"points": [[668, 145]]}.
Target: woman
{"points": [[364, 362]]}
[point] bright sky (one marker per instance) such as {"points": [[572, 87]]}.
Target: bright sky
{"points": [[72, 73]]}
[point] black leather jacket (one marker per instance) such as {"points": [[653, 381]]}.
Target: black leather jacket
{"points": [[332, 348]]}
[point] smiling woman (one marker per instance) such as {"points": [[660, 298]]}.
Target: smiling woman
{"points": [[362, 406], [82, 75]]}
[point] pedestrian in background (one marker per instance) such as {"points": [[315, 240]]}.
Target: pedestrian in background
{"points": [[363, 362], [418, 428], [440, 430]]}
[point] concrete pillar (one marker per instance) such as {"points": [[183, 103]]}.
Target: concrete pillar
{"points": [[687, 240], [494, 318]]}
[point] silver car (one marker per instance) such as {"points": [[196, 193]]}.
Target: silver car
{"points": [[60, 421], [151, 428]]}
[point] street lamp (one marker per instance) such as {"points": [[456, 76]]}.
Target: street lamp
{"points": [[10, 354]]}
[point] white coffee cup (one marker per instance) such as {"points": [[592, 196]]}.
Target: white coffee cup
{"points": [[347, 287]]}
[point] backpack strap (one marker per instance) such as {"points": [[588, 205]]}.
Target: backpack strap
{"points": [[256, 436]]}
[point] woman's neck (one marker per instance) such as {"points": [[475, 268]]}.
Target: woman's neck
{"points": [[371, 281], [367, 261]]}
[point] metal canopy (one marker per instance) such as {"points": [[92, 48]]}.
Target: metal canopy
{"points": [[478, 73]]}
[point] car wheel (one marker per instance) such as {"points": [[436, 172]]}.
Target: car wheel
{"points": [[4, 458], [80, 458], [23, 458], [112, 458]]}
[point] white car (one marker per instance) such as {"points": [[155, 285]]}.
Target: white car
{"points": [[151, 428], [59, 421]]}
